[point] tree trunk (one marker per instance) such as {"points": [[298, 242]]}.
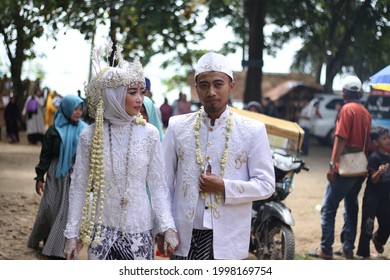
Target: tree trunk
{"points": [[328, 86], [16, 71], [336, 62], [255, 13], [318, 73], [112, 32], [331, 72], [17, 60]]}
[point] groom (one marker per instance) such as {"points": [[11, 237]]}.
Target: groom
{"points": [[217, 162]]}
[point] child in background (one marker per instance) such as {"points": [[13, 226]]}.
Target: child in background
{"points": [[376, 200]]}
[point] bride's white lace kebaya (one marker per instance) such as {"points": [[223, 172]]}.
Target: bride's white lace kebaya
{"points": [[124, 200], [200, 161], [127, 74]]}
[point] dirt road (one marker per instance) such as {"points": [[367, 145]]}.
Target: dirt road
{"points": [[19, 202]]}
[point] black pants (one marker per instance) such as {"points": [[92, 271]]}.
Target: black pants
{"points": [[375, 204], [34, 138]]}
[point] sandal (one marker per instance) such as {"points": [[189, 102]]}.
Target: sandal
{"points": [[318, 253]]}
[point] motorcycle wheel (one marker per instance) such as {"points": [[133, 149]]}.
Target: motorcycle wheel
{"points": [[281, 243]]}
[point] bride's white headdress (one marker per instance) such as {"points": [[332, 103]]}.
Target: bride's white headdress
{"points": [[124, 74]]}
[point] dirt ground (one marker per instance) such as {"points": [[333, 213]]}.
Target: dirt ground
{"points": [[19, 202]]}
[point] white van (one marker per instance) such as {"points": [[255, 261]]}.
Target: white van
{"points": [[325, 121], [328, 107]]}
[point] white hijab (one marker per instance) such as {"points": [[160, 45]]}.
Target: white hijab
{"points": [[114, 106]]}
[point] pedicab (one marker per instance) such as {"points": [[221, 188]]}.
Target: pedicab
{"points": [[272, 237]]}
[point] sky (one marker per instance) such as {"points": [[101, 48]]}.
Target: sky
{"points": [[66, 61]]}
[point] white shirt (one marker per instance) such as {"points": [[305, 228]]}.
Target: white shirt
{"points": [[249, 176]]}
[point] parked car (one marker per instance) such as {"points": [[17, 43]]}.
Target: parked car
{"points": [[324, 123]]}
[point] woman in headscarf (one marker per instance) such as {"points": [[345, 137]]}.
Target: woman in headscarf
{"points": [[255, 106], [56, 160], [117, 157], [35, 119], [51, 109], [150, 114]]}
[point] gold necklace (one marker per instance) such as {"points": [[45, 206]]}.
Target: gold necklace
{"points": [[124, 201], [200, 161]]}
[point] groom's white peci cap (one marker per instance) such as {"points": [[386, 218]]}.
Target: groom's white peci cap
{"points": [[212, 61]]}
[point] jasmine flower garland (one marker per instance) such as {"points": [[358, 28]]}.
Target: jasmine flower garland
{"points": [[199, 157], [140, 119], [95, 182]]}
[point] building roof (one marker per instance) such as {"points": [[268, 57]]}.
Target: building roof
{"points": [[291, 87]]}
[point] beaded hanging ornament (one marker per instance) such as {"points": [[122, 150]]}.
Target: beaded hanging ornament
{"points": [[124, 74]]}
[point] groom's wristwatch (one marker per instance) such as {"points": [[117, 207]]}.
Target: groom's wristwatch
{"points": [[332, 165]]}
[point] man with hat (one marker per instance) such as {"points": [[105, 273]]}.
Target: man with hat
{"points": [[352, 132], [217, 163]]}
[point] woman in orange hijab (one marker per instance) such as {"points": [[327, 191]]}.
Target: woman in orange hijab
{"points": [[50, 109]]}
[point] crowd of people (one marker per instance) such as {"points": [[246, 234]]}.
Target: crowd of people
{"points": [[36, 113], [139, 176]]}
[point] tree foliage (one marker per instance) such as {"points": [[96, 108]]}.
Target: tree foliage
{"points": [[144, 27], [347, 36], [344, 35], [21, 23], [247, 19]]}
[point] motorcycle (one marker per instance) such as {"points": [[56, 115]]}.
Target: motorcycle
{"points": [[272, 237]]}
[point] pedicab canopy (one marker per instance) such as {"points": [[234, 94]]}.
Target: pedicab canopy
{"points": [[282, 134]]}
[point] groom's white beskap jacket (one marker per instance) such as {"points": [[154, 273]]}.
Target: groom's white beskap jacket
{"points": [[249, 176]]}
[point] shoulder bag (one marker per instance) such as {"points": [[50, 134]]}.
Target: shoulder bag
{"points": [[354, 164]]}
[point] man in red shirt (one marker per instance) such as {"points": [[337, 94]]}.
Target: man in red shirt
{"points": [[352, 132]]}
